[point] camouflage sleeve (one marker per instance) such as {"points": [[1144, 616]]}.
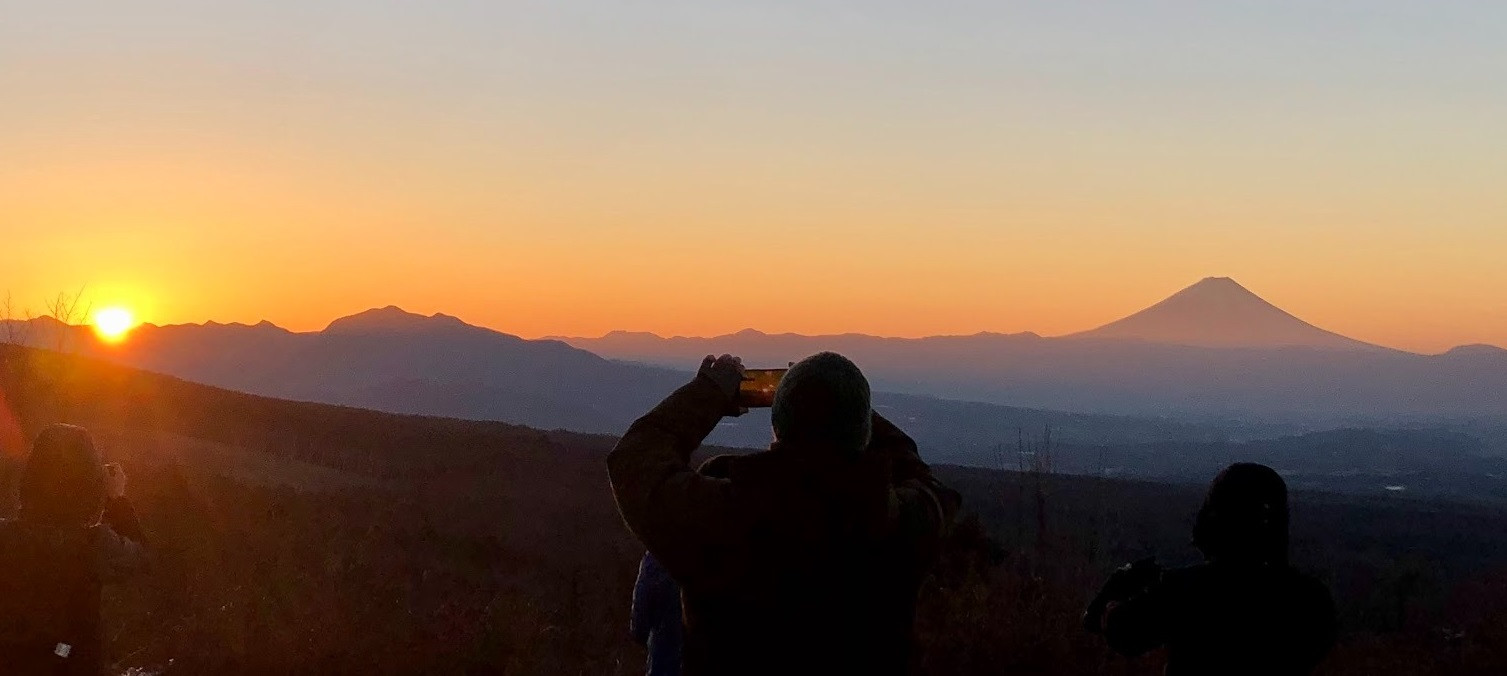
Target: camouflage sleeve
{"points": [[122, 544], [1318, 624], [921, 507], [1138, 625], [893, 443], [678, 514]]}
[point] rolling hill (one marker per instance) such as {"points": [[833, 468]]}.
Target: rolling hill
{"points": [[294, 537]]}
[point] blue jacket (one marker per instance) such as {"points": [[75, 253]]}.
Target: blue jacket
{"points": [[656, 617]]}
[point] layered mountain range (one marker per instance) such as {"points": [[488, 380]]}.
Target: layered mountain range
{"points": [[390, 360], [1212, 362], [1214, 350]]}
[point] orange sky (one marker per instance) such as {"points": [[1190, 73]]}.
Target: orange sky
{"points": [[901, 175]]}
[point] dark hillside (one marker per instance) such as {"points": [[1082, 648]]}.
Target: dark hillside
{"points": [[305, 538]]}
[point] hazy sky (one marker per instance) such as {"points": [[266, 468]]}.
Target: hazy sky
{"points": [[571, 167]]}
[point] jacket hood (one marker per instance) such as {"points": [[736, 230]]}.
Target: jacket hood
{"points": [[63, 483], [1244, 518]]}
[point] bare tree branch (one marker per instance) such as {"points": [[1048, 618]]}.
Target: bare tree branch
{"points": [[68, 311]]}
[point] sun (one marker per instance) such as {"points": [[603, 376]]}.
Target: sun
{"points": [[113, 323]]}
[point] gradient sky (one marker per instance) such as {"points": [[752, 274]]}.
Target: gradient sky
{"points": [[572, 166]]}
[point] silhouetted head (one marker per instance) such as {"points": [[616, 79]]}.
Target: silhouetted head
{"points": [[63, 483], [1244, 518], [823, 401]]}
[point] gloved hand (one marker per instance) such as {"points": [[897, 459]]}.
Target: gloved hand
{"points": [[726, 372], [115, 481], [1132, 579], [1126, 582]]}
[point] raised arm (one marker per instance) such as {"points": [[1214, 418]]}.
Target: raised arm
{"points": [[122, 543], [678, 514]]}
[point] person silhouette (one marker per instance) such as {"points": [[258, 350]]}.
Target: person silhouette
{"points": [[1244, 611], [803, 559], [75, 531], [655, 621]]}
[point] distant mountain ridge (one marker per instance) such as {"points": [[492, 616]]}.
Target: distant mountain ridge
{"points": [[1289, 376], [391, 360], [396, 319], [1214, 312], [1213, 350]]}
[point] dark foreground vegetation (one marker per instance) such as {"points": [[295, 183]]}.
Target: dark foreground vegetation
{"points": [[304, 538]]}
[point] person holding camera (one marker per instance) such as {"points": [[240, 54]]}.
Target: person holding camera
{"points": [[75, 532], [802, 559], [1244, 611]]}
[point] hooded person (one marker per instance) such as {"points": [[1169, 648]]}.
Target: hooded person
{"points": [[75, 531], [1244, 611], [802, 559]]}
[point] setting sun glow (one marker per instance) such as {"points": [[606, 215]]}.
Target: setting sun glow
{"points": [[113, 323]]}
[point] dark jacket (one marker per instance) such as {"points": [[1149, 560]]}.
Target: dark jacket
{"points": [[656, 622], [792, 560], [50, 580], [1228, 618]]}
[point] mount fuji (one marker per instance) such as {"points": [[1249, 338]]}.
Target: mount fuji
{"points": [[1212, 350], [1219, 312]]}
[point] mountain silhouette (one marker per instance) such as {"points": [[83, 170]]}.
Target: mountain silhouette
{"points": [[1213, 351], [391, 360], [1219, 312], [1477, 350], [1213, 354], [394, 319]]}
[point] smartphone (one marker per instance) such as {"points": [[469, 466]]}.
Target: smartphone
{"points": [[757, 388]]}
